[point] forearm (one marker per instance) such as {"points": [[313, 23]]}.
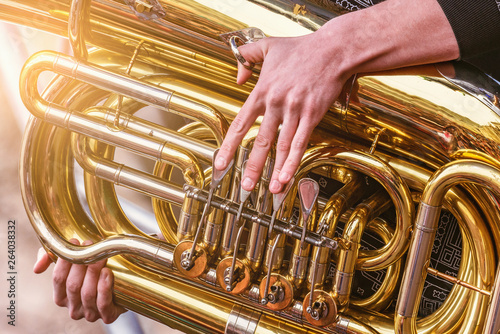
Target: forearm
{"points": [[393, 34]]}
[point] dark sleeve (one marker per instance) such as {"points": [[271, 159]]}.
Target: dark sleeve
{"points": [[476, 24]]}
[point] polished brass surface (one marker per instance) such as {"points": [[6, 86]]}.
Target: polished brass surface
{"points": [[353, 231], [392, 139]]}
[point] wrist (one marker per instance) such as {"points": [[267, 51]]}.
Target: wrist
{"points": [[392, 34]]}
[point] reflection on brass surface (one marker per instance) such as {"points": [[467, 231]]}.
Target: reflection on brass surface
{"points": [[404, 135]]}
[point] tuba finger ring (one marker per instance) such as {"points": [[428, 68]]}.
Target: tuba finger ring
{"points": [[234, 47]]}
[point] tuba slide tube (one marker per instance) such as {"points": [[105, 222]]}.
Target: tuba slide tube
{"points": [[429, 208], [362, 214], [138, 245]]}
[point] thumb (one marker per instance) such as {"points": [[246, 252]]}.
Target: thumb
{"points": [[253, 54], [42, 262]]}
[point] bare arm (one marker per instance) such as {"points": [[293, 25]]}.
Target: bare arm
{"points": [[302, 76]]}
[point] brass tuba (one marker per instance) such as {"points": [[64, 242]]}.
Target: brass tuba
{"points": [[391, 225]]}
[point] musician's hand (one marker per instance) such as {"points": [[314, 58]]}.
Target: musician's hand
{"points": [[293, 91], [86, 290], [302, 76]]}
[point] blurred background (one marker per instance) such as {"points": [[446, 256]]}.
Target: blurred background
{"points": [[35, 310]]}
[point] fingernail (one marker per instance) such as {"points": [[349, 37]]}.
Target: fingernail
{"points": [[247, 184], [284, 177], [220, 163], [109, 279], [275, 185]]}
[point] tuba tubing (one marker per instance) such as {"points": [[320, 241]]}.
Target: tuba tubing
{"points": [[456, 172]]}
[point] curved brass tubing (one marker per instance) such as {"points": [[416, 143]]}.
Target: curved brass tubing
{"points": [[463, 171], [136, 288], [384, 295], [353, 231], [434, 320], [123, 119], [163, 151], [477, 265], [320, 308], [39, 210], [171, 101], [477, 268], [396, 188], [118, 174], [144, 92], [392, 183]]}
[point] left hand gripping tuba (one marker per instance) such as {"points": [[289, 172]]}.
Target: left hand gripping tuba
{"points": [[392, 224]]}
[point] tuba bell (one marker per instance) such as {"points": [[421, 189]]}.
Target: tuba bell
{"points": [[390, 225]]}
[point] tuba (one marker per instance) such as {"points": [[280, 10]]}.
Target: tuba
{"points": [[392, 222]]}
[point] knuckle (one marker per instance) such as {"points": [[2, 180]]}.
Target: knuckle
{"points": [[104, 305], [225, 149], [108, 319], [294, 102], [262, 142], [61, 302], [238, 125], [75, 313], [300, 141], [265, 42], [283, 146], [103, 290], [88, 297], [252, 167], [91, 316], [73, 287], [275, 99], [58, 280], [95, 268]]}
